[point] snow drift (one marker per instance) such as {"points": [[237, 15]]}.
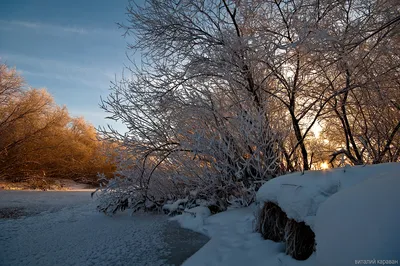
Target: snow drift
{"points": [[300, 194], [360, 225]]}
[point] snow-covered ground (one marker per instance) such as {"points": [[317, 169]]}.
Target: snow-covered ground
{"points": [[233, 242], [55, 185], [353, 210], [64, 228], [300, 195], [361, 224]]}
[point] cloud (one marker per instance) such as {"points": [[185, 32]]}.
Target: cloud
{"points": [[87, 75], [52, 28], [75, 30], [25, 24]]}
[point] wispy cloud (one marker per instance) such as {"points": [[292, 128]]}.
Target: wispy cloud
{"points": [[87, 75], [51, 28], [25, 24]]}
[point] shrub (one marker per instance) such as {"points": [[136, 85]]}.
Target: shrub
{"points": [[300, 240], [271, 222]]}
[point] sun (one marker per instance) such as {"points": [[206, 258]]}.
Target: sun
{"points": [[324, 166]]}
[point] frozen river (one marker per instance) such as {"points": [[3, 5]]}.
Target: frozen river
{"points": [[64, 228]]}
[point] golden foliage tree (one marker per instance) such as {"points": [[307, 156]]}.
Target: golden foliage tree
{"points": [[39, 138]]}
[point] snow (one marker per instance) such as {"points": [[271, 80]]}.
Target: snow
{"points": [[173, 207], [299, 195], [353, 211], [234, 243], [360, 223], [64, 228], [59, 184], [193, 218], [199, 211]]}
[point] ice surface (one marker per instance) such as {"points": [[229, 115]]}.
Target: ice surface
{"points": [[66, 229]]}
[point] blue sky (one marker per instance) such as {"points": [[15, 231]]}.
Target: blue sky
{"points": [[72, 48]]}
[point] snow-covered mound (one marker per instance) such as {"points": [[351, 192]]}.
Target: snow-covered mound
{"points": [[172, 208], [199, 211], [299, 195], [356, 224], [193, 218], [360, 225], [234, 243]]}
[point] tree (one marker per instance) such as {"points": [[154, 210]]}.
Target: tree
{"points": [[26, 119], [366, 65], [39, 138], [192, 100], [227, 89]]}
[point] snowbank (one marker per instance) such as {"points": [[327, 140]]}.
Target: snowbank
{"points": [[233, 242], [172, 208], [199, 211], [193, 218], [360, 225], [359, 222], [299, 195]]}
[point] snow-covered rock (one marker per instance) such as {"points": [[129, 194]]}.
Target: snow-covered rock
{"points": [[199, 211], [360, 225], [300, 194], [193, 218], [172, 208]]}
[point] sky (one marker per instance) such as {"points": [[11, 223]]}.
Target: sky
{"points": [[72, 48]]}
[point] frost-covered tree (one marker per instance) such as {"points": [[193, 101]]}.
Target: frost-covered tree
{"points": [[227, 92], [365, 66], [195, 112]]}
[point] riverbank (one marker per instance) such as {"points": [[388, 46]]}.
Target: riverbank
{"points": [[233, 241], [40, 184]]}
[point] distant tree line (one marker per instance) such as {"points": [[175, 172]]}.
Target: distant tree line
{"points": [[40, 139]]}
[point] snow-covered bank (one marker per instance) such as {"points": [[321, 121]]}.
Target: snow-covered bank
{"points": [[67, 230], [299, 195], [233, 242], [361, 224], [49, 185], [353, 212], [358, 222]]}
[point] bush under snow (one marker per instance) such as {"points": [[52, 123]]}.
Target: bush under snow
{"points": [[352, 211], [299, 195]]}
